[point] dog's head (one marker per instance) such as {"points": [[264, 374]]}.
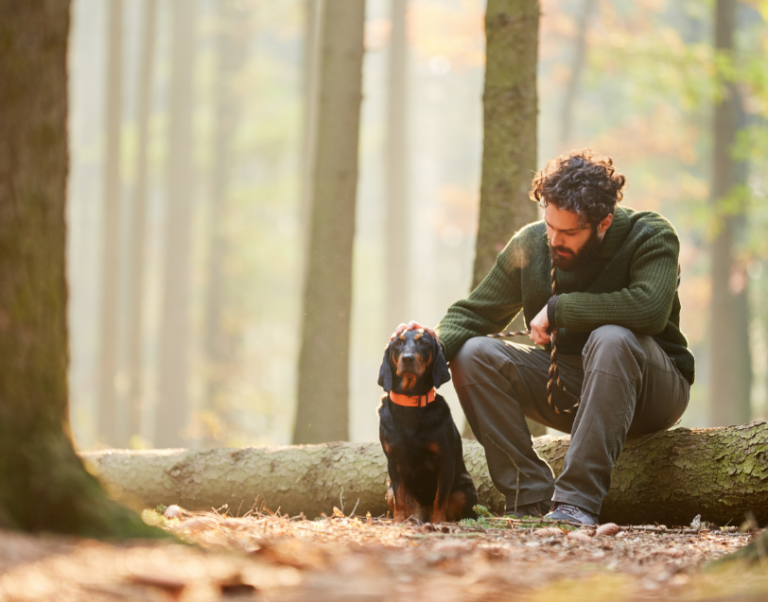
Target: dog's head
{"points": [[413, 364]]}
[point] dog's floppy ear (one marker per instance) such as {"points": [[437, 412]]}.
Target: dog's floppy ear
{"points": [[440, 372], [385, 372]]}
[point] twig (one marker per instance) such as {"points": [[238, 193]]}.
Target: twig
{"points": [[355, 508], [315, 530], [341, 500], [470, 535]]}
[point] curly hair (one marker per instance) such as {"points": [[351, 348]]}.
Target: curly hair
{"points": [[581, 182]]}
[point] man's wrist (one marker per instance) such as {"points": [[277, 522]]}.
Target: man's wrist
{"points": [[551, 307]]}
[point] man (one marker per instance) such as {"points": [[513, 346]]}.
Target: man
{"points": [[620, 352]]}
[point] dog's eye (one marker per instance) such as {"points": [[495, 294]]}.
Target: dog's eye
{"points": [[398, 342], [422, 342]]}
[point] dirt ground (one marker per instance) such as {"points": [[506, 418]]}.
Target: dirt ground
{"points": [[264, 557]]}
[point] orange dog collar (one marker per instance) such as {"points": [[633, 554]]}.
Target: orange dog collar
{"points": [[412, 401]]}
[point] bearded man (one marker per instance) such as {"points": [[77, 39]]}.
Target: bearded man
{"points": [[623, 362]]}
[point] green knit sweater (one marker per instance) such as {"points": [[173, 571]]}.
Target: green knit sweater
{"points": [[632, 282]]}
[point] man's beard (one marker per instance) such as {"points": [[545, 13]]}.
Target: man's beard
{"points": [[572, 261]]}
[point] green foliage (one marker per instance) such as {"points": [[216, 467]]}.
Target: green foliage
{"points": [[482, 511]]}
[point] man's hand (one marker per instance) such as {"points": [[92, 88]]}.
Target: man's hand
{"points": [[415, 326], [540, 328]]}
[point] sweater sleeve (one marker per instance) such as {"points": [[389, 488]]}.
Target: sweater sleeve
{"points": [[644, 306], [489, 308]]}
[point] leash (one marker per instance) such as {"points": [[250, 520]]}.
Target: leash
{"points": [[553, 374]]}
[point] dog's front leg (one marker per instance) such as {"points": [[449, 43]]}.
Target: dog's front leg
{"points": [[444, 483], [398, 499]]}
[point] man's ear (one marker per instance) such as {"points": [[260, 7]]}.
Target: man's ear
{"points": [[440, 372], [385, 372], [603, 226]]}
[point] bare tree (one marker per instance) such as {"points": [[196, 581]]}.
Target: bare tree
{"points": [[510, 109], [396, 165], [232, 42], [577, 67], [43, 484], [323, 413], [174, 334], [729, 398], [137, 240], [110, 233], [310, 101]]}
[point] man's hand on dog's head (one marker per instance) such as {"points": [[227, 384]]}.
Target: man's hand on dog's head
{"points": [[415, 326], [540, 328]]}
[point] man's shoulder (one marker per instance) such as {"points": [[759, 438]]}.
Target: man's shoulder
{"points": [[527, 243], [533, 232], [648, 221]]}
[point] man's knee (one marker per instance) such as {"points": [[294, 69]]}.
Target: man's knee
{"points": [[472, 359], [610, 335], [610, 344]]}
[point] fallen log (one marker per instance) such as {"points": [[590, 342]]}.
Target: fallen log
{"points": [[668, 478]]}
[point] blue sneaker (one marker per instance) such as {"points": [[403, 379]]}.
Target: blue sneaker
{"points": [[572, 514]]}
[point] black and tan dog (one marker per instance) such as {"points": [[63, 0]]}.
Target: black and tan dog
{"points": [[428, 479]]}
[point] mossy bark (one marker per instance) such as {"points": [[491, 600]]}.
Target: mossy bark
{"points": [[666, 478], [509, 127], [43, 484]]}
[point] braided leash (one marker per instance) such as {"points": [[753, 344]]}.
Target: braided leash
{"points": [[554, 375]]}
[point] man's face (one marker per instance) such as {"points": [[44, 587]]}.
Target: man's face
{"points": [[572, 240]]}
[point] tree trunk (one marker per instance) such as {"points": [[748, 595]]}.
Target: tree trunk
{"points": [[728, 399], [510, 110], [174, 328], [110, 234], [509, 127], [43, 484], [310, 101], [322, 413], [232, 38], [135, 314], [667, 477], [579, 52], [396, 165]]}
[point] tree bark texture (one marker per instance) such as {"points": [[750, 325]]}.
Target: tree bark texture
{"points": [[396, 179], [174, 329], [668, 478], [729, 399], [510, 111], [220, 341], [43, 484], [110, 245], [509, 127], [322, 409], [135, 313]]}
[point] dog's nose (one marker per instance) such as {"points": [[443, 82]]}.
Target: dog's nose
{"points": [[408, 359]]}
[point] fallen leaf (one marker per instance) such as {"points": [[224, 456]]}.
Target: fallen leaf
{"points": [[608, 529]]}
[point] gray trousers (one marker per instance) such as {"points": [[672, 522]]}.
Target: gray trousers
{"points": [[628, 387]]}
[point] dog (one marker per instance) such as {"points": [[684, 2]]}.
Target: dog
{"points": [[428, 478]]}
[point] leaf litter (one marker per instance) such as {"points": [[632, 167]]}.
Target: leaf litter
{"points": [[267, 556]]}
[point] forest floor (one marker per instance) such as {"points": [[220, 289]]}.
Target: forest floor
{"points": [[264, 557]]}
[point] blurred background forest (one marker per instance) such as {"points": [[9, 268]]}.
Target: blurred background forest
{"points": [[187, 204]]}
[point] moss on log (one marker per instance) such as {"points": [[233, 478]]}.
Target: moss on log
{"points": [[669, 477]]}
